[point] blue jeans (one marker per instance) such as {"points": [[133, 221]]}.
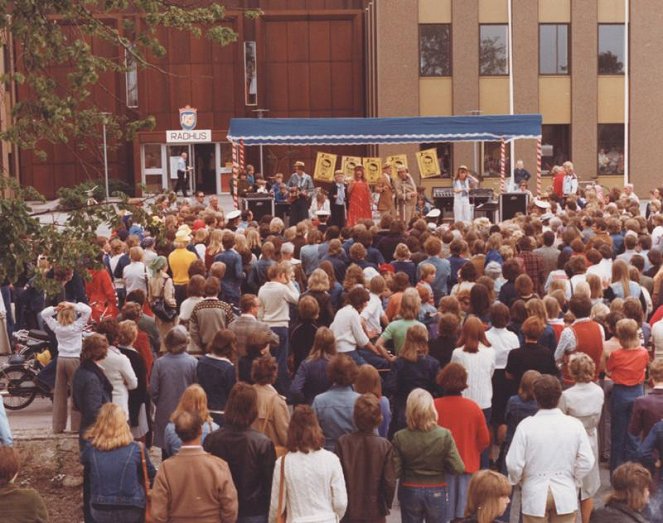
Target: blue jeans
{"points": [[623, 445], [419, 504], [457, 485], [125, 515], [373, 359], [357, 357], [280, 352]]}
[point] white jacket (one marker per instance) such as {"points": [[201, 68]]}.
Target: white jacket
{"points": [[549, 450], [118, 370]]}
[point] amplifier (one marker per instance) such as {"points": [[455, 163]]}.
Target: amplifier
{"points": [[512, 203], [443, 192], [259, 204]]}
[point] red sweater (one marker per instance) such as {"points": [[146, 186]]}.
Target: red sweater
{"points": [[590, 341], [465, 420]]}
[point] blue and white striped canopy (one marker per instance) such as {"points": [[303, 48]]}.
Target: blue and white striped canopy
{"points": [[366, 131]]}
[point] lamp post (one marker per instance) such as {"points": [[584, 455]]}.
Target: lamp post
{"points": [[475, 162], [103, 123], [260, 114]]}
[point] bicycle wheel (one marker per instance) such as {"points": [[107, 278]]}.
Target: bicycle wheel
{"points": [[17, 387]]}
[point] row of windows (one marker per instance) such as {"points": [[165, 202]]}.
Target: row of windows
{"points": [[556, 149], [554, 49]]}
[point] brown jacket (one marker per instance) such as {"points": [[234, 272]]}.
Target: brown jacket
{"points": [[368, 466], [272, 407], [194, 486]]}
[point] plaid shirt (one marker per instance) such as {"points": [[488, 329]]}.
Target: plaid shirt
{"points": [[533, 264]]}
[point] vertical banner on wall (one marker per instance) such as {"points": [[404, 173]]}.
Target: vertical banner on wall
{"points": [[428, 162], [250, 74], [325, 165]]}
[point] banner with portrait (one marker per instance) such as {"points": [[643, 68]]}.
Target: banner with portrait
{"points": [[325, 164], [372, 169], [396, 161], [250, 74], [429, 166], [348, 164]]}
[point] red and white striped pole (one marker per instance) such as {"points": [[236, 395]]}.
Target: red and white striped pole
{"points": [[502, 166], [242, 163], [538, 167], [235, 176]]}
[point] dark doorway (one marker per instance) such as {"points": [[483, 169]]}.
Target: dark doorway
{"points": [[204, 162]]}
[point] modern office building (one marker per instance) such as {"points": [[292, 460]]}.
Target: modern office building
{"points": [[590, 67]]}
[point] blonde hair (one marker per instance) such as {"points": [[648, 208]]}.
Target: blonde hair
{"points": [[420, 411], [536, 307], [127, 333], [318, 281], [136, 254], [627, 333], [252, 238], [582, 368], [656, 370], [426, 269], [111, 430], [401, 252], [410, 304], [214, 246], [193, 400], [66, 314]]}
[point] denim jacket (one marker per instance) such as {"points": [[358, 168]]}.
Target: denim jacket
{"points": [[116, 476]]}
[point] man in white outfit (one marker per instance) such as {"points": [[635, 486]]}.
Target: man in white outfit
{"points": [[549, 456]]}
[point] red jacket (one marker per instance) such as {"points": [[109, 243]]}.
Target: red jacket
{"points": [[467, 424], [558, 184], [101, 294]]}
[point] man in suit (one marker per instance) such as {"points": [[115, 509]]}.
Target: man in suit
{"points": [[248, 323], [338, 199], [193, 485]]}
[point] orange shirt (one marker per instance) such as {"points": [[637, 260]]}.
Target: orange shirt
{"points": [[628, 366]]}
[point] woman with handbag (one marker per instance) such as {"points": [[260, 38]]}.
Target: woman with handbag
{"points": [[119, 469], [161, 297], [249, 454], [308, 482], [273, 415]]}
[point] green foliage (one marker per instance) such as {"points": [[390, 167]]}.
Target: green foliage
{"points": [[65, 35]]}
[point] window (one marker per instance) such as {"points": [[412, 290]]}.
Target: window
{"points": [[131, 78], [493, 50], [611, 148], [435, 50], [492, 157], [611, 49], [555, 146], [553, 49], [444, 151]]}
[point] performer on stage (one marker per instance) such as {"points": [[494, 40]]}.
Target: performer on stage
{"points": [[463, 182], [183, 171], [338, 199], [360, 198], [406, 194], [385, 188], [301, 187], [319, 202]]}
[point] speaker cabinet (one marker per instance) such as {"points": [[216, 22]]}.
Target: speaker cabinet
{"points": [[512, 203], [259, 206]]}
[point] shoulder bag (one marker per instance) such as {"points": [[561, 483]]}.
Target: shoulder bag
{"points": [[161, 309], [146, 480]]}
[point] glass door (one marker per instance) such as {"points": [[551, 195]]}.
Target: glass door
{"points": [[154, 172]]}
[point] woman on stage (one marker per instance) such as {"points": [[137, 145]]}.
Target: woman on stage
{"points": [[360, 198], [463, 182]]}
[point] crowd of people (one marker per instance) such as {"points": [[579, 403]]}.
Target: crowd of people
{"points": [[312, 372]]}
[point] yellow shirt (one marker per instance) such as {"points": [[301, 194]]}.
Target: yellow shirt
{"points": [[179, 261]]}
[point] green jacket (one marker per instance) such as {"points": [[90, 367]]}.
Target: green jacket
{"points": [[424, 458], [21, 505]]}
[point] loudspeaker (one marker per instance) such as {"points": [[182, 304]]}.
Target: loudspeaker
{"points": [[512, 203], [259, 206]]}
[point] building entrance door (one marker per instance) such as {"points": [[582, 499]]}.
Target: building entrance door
{"points": [[204, 165]]}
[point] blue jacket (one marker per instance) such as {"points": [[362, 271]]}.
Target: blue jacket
{"points": [[310, 380], [216, 377], [231, 282], [90, 390], [442, 273], [116, 476], [335, 409]]}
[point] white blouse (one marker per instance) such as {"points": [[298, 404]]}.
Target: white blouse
{"points": [[480, 367]]}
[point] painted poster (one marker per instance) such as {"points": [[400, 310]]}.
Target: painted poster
{"points": [[348, 164], [325, 164], [372, 169], [250, 74], [429, 165], [396, 161]]}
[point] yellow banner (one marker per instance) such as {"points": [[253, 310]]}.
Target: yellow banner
{"points": [[396, 161], [348, 164], [372, 169]]}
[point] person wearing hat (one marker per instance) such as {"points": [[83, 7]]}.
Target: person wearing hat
{"points": [[359, 207], [232, 219], [322, 216], [385, 188], [160, 285], [149, 253], [179, 260], [406, 194], [338, 199], [462, 184], [299, 204]]}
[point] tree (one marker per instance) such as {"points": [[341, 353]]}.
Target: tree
{"points": [[492, 57], [49, 34], [609, 63]]}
